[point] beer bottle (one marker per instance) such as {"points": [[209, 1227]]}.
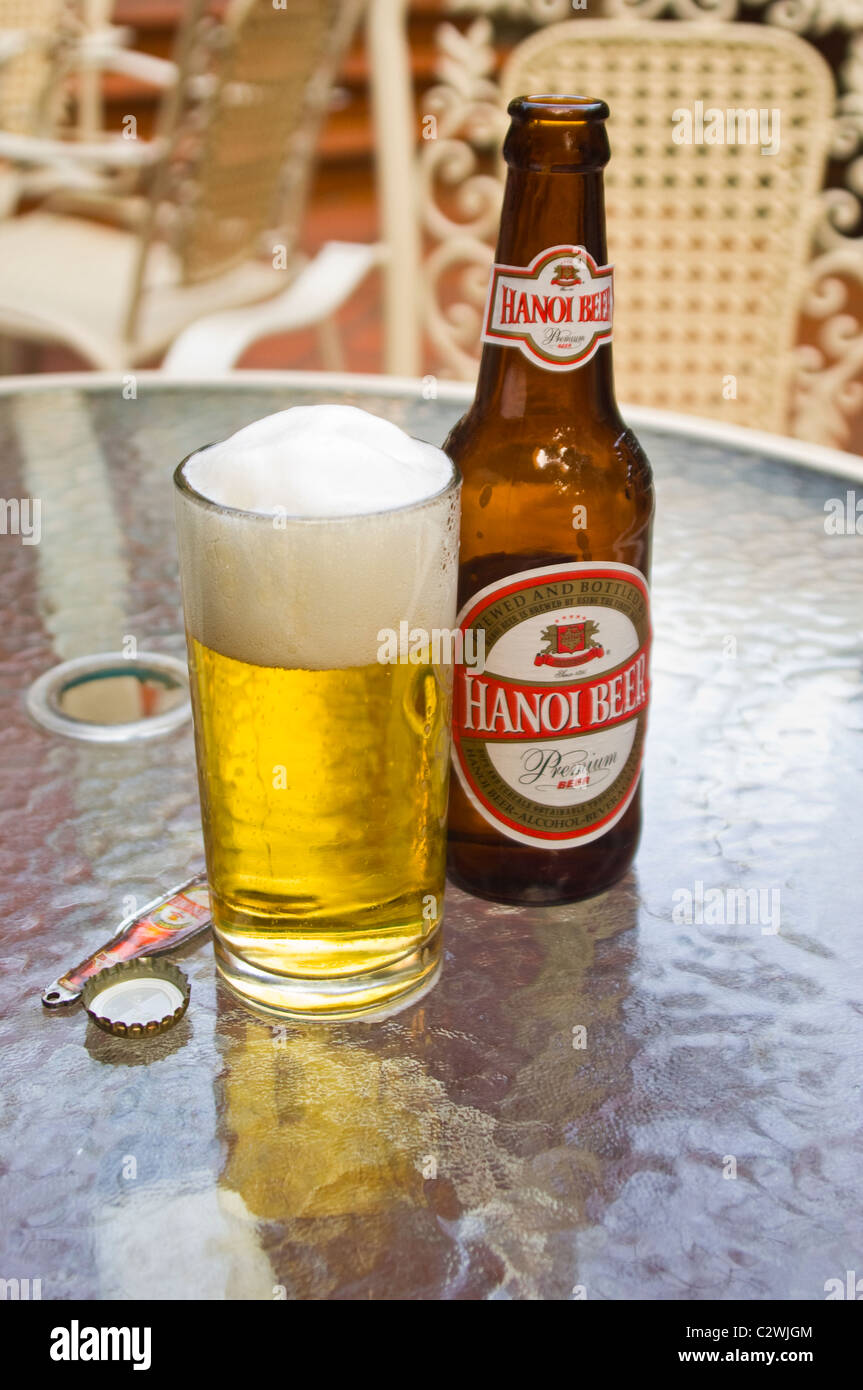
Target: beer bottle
{"points": [[549, 721]]}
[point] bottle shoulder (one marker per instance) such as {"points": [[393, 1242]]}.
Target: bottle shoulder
{"points": [[540, 448]]}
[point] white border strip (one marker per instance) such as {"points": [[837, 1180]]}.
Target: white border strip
{"points": [[817, 457]]}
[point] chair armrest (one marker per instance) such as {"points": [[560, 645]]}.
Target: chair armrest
{"points": [[99, 52], [113, 151], [112, 35]]}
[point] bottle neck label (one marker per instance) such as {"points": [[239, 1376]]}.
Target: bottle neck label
{"points": [[557, 310], [548, 736]]}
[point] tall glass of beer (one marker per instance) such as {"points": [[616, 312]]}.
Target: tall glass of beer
{"points": [[318, 556]]}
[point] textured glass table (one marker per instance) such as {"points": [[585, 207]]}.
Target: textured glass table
{"points": [[655, 1094]]}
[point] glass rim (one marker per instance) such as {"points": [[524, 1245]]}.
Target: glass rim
{"points": [[198, 499]]}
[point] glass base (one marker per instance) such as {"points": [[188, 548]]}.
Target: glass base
{"points": [[368, 995]]}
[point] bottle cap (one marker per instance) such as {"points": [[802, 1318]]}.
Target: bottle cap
{"points": [[138, 998]]}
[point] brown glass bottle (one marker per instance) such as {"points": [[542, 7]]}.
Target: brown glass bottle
{"points": [[555, 482]]}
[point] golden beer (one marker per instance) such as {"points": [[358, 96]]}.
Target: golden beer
{"points": [[324, 797], [323, 769]]}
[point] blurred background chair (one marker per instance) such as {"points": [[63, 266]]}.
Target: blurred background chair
{"points": [[52, 53], [33, 37], [223, 181], [726, 258], [709, 242]]}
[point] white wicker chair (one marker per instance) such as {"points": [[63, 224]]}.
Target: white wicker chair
{"points": [[32, 35], [710, 243], [41, 43], [224, 178]]}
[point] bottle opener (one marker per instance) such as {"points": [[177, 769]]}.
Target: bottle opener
{"points": [[164, 923]]}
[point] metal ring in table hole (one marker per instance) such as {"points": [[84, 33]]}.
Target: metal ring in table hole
{"points": [[110, 698]]}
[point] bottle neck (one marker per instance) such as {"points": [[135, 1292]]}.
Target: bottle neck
{"points": [[543, 209]]}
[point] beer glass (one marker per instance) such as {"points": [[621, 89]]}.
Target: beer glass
{"points": [[322, 732]]}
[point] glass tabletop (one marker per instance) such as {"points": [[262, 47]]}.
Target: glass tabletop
{"points": [[653, 1094]]}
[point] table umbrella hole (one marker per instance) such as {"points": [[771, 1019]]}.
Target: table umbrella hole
{"points": [[111, 698]]}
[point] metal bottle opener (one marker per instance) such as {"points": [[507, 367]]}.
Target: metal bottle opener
{"points": [[163, 924]]}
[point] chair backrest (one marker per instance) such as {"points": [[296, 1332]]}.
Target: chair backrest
{"points": [[238, 132], [709, 242], [252, 83], [26, 80]]}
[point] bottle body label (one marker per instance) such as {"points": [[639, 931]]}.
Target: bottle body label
{"points": [[548, 736], [558, 310]]}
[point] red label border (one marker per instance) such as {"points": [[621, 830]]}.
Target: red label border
{"points": [[526, 580], [523, 341]]}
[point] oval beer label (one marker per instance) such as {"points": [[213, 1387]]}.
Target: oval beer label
{"points": [[557, 310], [548, 736]]}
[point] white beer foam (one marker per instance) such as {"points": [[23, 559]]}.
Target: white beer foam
{"points": [[319, 461], [343, 532]]}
